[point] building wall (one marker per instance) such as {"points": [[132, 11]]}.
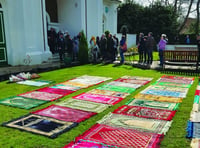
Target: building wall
{"points": [[24, 32], [71, 16]]}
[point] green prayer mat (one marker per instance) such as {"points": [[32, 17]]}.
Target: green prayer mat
{"points": [[131, 122], [84, 105], [170, 84], [196, 99], [117, 88], [153, 104], [21, 102]]}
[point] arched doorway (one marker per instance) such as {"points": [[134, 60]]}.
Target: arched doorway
{"points": [[3, 51]]}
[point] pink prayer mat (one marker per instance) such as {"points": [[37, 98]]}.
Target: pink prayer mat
{"points": [[64, 113], [41, 95], [141, 82], [99, 98], [121, 137], [56, 91], [145, 112]]}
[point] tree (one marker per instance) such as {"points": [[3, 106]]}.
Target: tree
{"points": [[197, 23]]}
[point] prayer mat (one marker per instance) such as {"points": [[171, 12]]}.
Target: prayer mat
{"points": [[132, 122], [108, 93], [193, 129], [41, 95], [177, 78], [99, 98], [116, 83], [84, 105], [141, 82], [165, 88], [120, 137], [164, 93], [90, 80], [153, 104], [145, 112], [76, 84], [196, 99], [68, 87], [195, 107], [63, 92], [117, 88], [41, 125], [137, 78], [195, 143], [176, 81], [64, 113], [158, 98], [34, 82], [195, 116], [198, 87], [85, 144], [197, 93], [169, 84], [21, 102]]}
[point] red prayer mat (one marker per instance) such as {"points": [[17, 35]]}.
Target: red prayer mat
{"points": [[84, 144], [56, 91], [145, 112], [41, 95], [99, 98], [122, 137], [64, 113]]}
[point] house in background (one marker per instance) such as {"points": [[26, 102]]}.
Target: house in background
{"points": [[24, 25]]}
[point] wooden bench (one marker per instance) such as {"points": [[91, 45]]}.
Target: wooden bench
{"points": [[180, 58]]}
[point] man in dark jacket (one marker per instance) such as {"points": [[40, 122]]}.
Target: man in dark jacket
{"points": [[150, 44]]}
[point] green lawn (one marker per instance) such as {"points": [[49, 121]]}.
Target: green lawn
{"points": [[20, 139]]}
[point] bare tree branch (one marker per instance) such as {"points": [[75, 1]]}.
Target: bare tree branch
{"points": [[185, 20]]}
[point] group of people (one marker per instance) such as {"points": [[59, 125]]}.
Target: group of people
{"points": [[147, 44], [106, 48], [63, 43], [103, 49]]}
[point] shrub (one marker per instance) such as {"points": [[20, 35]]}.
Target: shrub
{"points": [[83, 49]]}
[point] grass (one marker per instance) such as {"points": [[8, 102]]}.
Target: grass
{"points": [[11, 138]]}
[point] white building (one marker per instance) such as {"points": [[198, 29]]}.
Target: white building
{"points": [[24, 24]]}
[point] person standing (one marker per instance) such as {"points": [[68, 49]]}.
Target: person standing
{"points": [[150, 44], [187, 39], [161, 45], [61, 46], [123, 48], [141, 47]]}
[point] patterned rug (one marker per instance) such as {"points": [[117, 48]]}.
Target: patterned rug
{"points": [[21, 102], [84, 105], [76, 84], [34, 82], [85, 144], [158, 98], [181, 81], [120, 137], [67, 87], [64, 113], [164, 93], [145, 112], [153, 104], [169, 84], [63, 92], [137, 78], [41, 95], [161, 88], [116, 83], [41, 125], [117, 88], [195, 143], [141, 124], [108, 93], [132, 81], [195, 116], [99, 98]]}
